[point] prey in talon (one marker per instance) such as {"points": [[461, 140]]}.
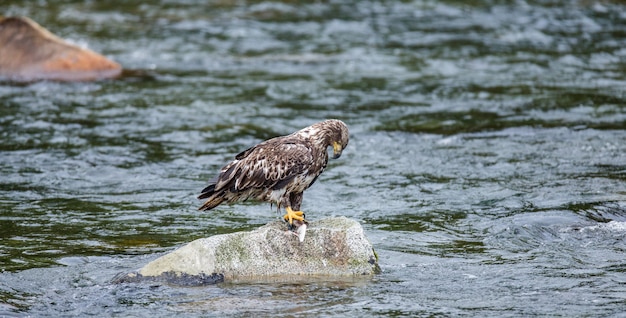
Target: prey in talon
{"points": [[278, 171], [298, 228]]}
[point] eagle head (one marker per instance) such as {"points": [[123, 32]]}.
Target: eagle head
{"points": [[330, 132], [339, 136]]}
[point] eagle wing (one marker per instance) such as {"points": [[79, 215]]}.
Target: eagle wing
{"points": [[269, 165]]}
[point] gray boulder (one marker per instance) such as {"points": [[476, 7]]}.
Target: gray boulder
{"points": [[331, 247]]}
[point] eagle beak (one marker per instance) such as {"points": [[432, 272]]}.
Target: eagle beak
{"points": [[336, 150]]}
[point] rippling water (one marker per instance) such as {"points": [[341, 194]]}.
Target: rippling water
{"points": [[487, 161]]}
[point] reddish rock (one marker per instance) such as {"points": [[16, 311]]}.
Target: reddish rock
{"points": [[29, 52]]}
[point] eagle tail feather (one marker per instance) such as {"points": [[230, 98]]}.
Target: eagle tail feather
{"points": [[207, 192], [213, 198], [211, 203]]}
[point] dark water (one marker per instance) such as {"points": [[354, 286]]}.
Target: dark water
{"points": [[487, 161]]}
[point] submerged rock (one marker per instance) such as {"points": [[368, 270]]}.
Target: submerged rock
{"points": [[30, 52], [332, 247]]}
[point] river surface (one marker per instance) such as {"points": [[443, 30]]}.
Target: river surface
{"points": [[487, 160]]}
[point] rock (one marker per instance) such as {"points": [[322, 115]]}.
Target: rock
{"points": [[180, 279], [332, 247], [30, 52]]}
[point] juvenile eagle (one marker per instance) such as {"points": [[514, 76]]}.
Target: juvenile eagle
{"points": [[278, 170]]}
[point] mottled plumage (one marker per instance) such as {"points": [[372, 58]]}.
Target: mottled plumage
{"points": [[278, 170]]}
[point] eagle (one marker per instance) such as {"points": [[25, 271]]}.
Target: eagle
{"points": [[278, 170]]}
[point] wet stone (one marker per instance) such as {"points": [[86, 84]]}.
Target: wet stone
{"points": [[179, 279], [332, 247]]}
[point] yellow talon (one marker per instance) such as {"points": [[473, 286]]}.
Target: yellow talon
{"points": [[293, 215]]}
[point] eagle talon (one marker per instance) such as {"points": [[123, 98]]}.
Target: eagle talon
{"points": [[293, 215]]}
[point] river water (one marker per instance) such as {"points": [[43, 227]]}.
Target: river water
{"points": [[487, 160]]}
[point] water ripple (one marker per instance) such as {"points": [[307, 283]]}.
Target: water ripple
{"points": [[486, 160]]}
